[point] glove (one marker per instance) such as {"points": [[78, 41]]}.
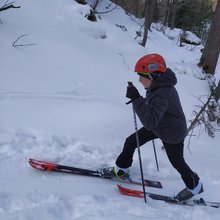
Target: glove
{"points": [[132, 92]]}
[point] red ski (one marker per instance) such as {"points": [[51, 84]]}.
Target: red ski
{"points": [[170, 199], [53, 167]]}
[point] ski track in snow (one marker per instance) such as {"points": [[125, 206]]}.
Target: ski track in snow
{"points": [[73, 95]]}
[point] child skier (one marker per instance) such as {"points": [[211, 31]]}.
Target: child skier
{"points": [[162, 117]]}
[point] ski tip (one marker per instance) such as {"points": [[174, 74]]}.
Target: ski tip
{"points": [[130, 192], [42, 165], [33, 161], [30, 161], [119, 186], [34, 164]]}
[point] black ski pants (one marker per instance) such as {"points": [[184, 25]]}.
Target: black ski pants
{"points": [[174, 153]]}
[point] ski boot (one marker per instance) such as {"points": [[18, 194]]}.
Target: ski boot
{"points": [[186, 193], [115, 173]]}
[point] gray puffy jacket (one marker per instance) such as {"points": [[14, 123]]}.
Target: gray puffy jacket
{"points": [[161, 110]]}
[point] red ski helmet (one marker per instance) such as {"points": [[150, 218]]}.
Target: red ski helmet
{"points": [[150, 63]]}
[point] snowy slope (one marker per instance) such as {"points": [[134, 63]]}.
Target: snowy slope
{"points": [[63, 100]]}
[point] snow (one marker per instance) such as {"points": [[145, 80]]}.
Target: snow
{"points": [[63, 100]]}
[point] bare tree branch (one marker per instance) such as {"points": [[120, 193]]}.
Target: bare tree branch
{"points": [[21, 45], [7, 6], [196, 119], [208, 114]]}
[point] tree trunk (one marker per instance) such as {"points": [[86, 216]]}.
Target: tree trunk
{"points": [[210, 55], [146, 24], [149, 8], [172, 15], [166, 12], [217, 92]]}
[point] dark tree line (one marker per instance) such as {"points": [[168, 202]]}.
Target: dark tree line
{"points": [[198, 16], [191, 15]]}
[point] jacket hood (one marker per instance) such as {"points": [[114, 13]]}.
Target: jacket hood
{"points": [[167, 79]]}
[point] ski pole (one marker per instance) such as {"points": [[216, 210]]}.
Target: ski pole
{"points": [[138, 147], [155, 155]]}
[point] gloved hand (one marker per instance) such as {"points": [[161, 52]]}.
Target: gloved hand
{"points": [[132, 92]]}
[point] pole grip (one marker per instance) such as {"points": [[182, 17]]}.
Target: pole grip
{"points": [[130, 101]]}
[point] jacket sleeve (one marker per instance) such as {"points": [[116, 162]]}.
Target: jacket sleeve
{"points": [[150, 114]]}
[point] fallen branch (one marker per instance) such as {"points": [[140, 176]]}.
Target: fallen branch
{"points": [[8, 6], [209, 112], [21, 45]]}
